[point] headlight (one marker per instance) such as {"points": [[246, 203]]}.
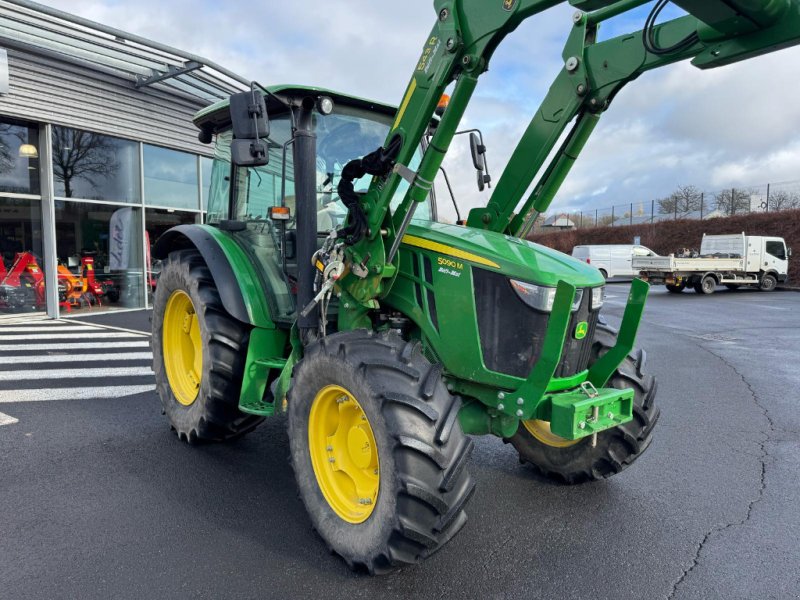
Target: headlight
{"points": [[541, 298], [598, 294]]}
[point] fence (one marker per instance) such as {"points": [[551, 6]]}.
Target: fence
{"points": [[686, 202]]}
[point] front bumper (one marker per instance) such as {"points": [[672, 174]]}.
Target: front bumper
{"points": [[579, 406]]}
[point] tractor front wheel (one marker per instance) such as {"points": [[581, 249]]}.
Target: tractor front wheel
{"points": [[377, 450], [198, 353], [576, 461]]}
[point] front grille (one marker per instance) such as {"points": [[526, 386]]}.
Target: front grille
{"points": [[512, 333], [575, 356]]}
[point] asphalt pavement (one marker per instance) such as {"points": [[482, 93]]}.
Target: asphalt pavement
{"points": [[98, 499]]}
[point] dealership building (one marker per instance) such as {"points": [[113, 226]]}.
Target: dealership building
{"points": [[98, 157]]}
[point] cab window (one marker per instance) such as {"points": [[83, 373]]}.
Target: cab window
{"points": [[776, 249]]}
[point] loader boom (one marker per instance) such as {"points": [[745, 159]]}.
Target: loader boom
{"points": [[459, 49]]}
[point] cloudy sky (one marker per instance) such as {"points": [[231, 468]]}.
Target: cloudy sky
{"points": [[733, 126]]}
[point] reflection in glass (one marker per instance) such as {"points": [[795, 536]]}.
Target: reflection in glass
{"points": [[206, 168], [21, 267], [170, 178], [94, 166], [156, 222], [101, 244], [19, 158]]}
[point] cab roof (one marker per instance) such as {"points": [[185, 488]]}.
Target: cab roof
{"points": [[217, 116]]}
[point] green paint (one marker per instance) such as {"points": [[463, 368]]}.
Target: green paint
{"points": [[602, 370], [254, 292], [265, 352], [572, 413]]}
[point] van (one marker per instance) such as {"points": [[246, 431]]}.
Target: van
{"points": [[612, 260]]}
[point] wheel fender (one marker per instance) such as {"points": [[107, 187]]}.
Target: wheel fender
{"points": [[246, 306]]}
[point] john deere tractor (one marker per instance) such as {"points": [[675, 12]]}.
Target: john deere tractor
{"points": [[322, 285]]}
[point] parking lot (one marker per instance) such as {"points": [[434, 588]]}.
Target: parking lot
{"points": [[100, 500]]}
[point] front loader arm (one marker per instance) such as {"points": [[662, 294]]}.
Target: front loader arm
{"points": [[459, 48]]}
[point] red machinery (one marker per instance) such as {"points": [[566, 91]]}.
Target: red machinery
{"points": [[22, 286]]}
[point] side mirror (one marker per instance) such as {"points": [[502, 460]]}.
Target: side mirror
{"points": [[250, 126], [788, 253], [478, 152]]}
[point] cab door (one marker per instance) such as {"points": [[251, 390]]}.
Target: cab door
{"points": [[775, 257]]}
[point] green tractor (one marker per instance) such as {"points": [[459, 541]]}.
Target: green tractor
{"points": [[322, 285]]}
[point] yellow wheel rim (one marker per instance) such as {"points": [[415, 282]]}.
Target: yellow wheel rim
{"points": [[183, 347], [541, 431], [343, 454]]}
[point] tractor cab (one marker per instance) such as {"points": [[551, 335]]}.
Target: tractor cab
{"points": [[258, 204]]}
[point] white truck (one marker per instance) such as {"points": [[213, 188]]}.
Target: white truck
{"points": [[730, 260]]}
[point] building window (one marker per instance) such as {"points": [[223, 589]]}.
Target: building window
{"points": [[206, 169], [19, 158], [21, 266], [170, 178], [92, 166], [109, 239]]}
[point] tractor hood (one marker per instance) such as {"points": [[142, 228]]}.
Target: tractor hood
{"points": [[514, 257]]}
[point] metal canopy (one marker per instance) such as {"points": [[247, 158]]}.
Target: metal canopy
{"points": [[35, 28]]}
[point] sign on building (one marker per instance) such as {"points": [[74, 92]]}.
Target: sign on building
{"points": [[3, 72]]}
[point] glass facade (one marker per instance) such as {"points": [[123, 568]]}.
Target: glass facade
{"points": [[100, 252], [102, 211], [92, 166], [19, 158], [170, 178], [22, 286]]}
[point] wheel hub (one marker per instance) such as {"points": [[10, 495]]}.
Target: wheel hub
{"points": [[182, 347], [343, 454]]}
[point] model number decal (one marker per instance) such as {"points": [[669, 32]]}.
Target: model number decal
{"points": [[428, 53], [449, 262]]}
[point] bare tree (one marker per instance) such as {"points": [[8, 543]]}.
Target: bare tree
{"points": [[732, 201], [7, 158], [783, 200], [82, 155], [683, 201]]}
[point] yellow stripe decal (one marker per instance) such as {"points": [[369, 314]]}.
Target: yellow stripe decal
{"points": [[419, 242], [411, 87]]}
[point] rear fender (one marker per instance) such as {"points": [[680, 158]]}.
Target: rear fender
{"points": [[233, 272]]}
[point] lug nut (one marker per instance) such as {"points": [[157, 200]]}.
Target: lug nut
{"points": [[331, 460], [329, 448], [520, 401], [501, 406], [501, 395], [582, 425], [610, 415], [519, 412]]}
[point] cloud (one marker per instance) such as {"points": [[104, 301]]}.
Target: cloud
{"points": [[678, 125]]}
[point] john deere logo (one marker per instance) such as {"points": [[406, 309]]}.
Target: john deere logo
{"points": [[509, 4], [581, 329]]}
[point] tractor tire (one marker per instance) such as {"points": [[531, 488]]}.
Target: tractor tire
{"points": [[576, 461], [676, 289], [198, 354], [768, 283], [706, 286], [377, 450]]}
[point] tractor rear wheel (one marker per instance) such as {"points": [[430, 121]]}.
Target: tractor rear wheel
{"points": [[377, 450], [575, 461], [198, 353]]}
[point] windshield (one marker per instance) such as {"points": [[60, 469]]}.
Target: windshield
{"points": [[342, 136]]}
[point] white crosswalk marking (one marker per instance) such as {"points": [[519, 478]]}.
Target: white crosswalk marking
{"points": [[73, 373], [75, 346], [43, 360], [60, 358], [46, 394], [7, 419], [72, 336]]}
